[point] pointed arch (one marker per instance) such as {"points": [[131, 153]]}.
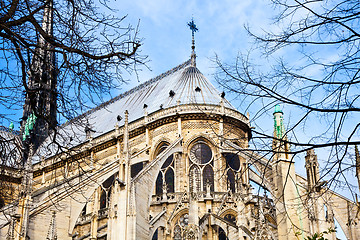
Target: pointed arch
{"points": [[168, 161], [177, 233], [232, 161], [208, 177], [231, 180], [169, 180], [103, 199], [159, 184], [155, 235], [160, 147], [194, 179]]}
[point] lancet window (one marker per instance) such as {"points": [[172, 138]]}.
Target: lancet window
{"points": [[166, 177], [232, 170], [106, 192], [136, 168], [201, 172]]}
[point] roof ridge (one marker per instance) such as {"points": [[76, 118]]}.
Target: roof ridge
{"points": [[122, 95]]}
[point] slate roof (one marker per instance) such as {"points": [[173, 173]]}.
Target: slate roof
{"points": [[10, 149], [184, 83]]}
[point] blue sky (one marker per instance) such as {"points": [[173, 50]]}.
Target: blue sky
{"points": [[167, 38]]}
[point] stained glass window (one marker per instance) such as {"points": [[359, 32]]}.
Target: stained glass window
{"points": [[232, 160], [230, 218], [208, 177], [159, 184], [177, 232], [169, 179], [167, 162], [194, 179], [231, 180], [103, 199], [136, 168], [200, 153]]}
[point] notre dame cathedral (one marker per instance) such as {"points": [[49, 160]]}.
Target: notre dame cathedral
{"points": [[169, 159]]}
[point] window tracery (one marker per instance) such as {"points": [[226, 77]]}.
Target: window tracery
{"points": [[230, 218], [166, 176], [194, 179], [180, 227], [136, 168], [231, 180], [208, 177], [103, 199], [233, 170], [201, 170]]}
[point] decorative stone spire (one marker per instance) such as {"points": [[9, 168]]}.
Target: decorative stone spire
{"points": [[357, 162], [41, 94], [52, 234], [279, 129], [280, 147], [312, 169], [193, 29]]}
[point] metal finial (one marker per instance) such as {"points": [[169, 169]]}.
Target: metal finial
{"points": [[193, 29]]}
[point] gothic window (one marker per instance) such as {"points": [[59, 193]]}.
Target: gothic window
{"points": [[108, 197], [167, 162], [191, 234], [208, 177], [184, 220], [222, 234], [231, 180], [201, 167], [180, 226], [83, 211], [136, 168], [166, 175], [155, 236], [159, 184], [177, 232], [200, 153], [169, 180], [103, 199], [194, 179], [108, 182], [232, 161], [230, 218], [161, 148], [233, 168]]}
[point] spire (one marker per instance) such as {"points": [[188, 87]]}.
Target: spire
{"points": [[312, 169], [357, 164], [193, 29], [279, 145], [279, 129], [41, 97], [52, 234]]}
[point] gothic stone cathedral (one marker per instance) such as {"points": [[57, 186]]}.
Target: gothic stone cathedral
{"points": [[169, 159]]}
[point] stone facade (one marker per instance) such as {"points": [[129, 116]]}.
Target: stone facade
{"points": [[182, 171]]}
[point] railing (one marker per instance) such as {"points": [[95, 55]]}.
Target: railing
{"points": [[174, 197], [103, 213], [83, 219]]}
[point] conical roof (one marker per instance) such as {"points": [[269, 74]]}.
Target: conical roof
{"points": [[182, 85]]}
